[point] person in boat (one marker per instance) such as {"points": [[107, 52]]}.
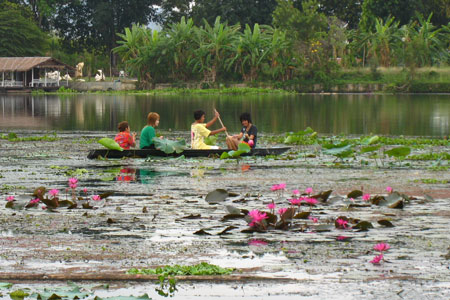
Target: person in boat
{"points": [[124, 138], [148, 132], [248, 134], [199, 130]]}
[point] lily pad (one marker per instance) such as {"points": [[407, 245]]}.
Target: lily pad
{"points": [[363, 226], [110, 144], [322, 228], [323, 197], [169, 146], [385, 222], [233, 210], [216, 196], [5, 285], [233, 216], [202, 232], [355, 194], [302, 215], [225, 231], [398, 152]]}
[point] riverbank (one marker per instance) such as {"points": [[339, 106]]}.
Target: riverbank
{"points": [[381, 80]]}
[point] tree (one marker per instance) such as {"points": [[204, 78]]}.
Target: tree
{"points": [[253, 49], [302, 25], [93, 24], [20, 36], [348, 11], [231, 11], [402, 10], [214, 46]]}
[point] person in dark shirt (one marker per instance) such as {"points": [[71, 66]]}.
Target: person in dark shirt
{"points": [[248, 134]]}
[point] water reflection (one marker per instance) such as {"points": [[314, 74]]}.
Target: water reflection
{"points": [[128, 174], [349, 114]]}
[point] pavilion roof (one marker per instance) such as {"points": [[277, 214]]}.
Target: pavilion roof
{"points": [[22, 64]]}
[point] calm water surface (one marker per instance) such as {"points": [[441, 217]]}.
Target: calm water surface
{"points": [[424, 115]]}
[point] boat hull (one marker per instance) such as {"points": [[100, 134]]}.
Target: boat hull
{"points": [[143, 153]]}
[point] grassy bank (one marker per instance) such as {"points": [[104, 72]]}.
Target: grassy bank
{"points": [[382, 80]]}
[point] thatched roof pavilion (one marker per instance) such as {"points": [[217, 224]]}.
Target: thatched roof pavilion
{"points": [[27, 71]]}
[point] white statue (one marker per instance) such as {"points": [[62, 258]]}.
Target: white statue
{"points": [[99, 76], [79, 70]]}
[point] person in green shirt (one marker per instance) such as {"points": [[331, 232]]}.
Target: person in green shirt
{"points": [[148, 132]]}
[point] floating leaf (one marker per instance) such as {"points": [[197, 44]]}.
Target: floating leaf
{"points": [[322, 228], [202, 232], [216, 196], [225, 231], [378, 200], [110, 221], [355, 194], [341, 150], [5, 285], [169, 146], [370, 140], [106, 195], [233, 216], [363, 226], [370, 149], [302, 215], [398, 152], [398, 204], [271, 219], [385, 222], [110, 144], [65, 203], [18, 295], [210, 140], [233, 210], [323, 197], [192, 217], [288, 214]]}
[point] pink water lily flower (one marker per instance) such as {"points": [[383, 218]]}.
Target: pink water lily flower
{"points": [[73, 183], [389, 189], [277, 187], [342, 238], [257, 243], [34, 201], [311, 201], [96, 198], [376, 260], [295, 201], [342, 223], [85, 190], [10, 198], [295, 192], [381, 247], [271, 205], [309, 190], [53, 192], [366, 197], [281, 211], [315, 220], [257, 217]]}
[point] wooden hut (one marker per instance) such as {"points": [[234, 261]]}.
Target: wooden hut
{"points": [[31, 72]]}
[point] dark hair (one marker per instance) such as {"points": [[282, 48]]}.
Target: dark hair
{"points": [[245, 117], [122, 126], [198, 114]]}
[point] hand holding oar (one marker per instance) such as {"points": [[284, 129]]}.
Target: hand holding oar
{"points": [[220, 120]]}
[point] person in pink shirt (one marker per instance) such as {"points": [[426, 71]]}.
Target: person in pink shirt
{"points": [[124, 138]]}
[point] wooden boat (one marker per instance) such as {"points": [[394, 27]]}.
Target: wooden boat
{"points": [[143, 153]]}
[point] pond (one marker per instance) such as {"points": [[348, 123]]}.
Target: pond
{"points": [[411, 115]]}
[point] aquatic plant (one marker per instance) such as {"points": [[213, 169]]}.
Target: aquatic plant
{"points": [[242, 149], [381, 247]]}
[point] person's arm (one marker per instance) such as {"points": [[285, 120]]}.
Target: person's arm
{"points": [[133, 140], [216, 116], [213, 132], [238, 136]]}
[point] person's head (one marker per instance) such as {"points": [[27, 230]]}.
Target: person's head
{"points": [[245, 119], [123, 126], [153, 119], [199, 115]]}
